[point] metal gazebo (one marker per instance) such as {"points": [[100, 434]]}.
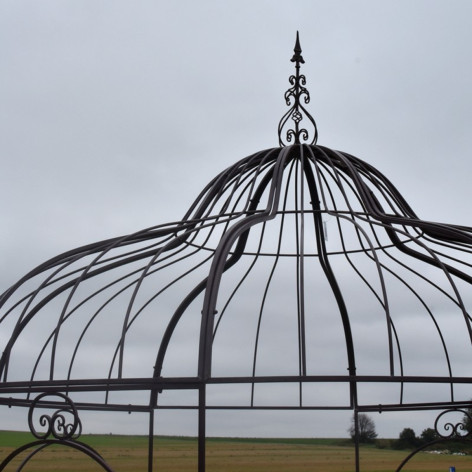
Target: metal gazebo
{"points": [[298, 268]]}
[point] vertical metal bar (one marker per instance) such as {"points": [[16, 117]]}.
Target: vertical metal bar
{"points": [[151, 440], [300, 247], [356, 439], [201, 427], [302, 262]]}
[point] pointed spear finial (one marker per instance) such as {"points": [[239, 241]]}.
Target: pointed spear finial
{"points": [[297, 111], [297, 57]]}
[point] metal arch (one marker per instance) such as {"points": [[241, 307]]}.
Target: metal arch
{"points": [[43, 444], [286, 192], [63, 433]]}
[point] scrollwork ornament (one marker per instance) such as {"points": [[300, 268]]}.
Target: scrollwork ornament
{"points": [[64, 423], [450, 429], [297, 112]]}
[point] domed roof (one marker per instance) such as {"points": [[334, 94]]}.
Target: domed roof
{"points": [[298, 265]]}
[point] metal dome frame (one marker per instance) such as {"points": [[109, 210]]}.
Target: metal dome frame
{"points": [[259, 225]]}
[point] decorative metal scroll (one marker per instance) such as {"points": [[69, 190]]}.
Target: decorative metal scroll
{"points": [[62, 427], [64, 423], [446, 430], [294, 97], [449, 429]]}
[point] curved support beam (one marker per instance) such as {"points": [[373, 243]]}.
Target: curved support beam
{"points": [[42, 444]]}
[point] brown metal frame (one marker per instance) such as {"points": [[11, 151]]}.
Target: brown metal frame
{"points": [[219, 255]]}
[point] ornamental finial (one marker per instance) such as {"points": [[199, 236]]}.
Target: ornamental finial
{"points": [[297, 111], [297, 57]]}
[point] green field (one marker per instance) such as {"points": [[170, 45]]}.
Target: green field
{"points": [[129, 454]]}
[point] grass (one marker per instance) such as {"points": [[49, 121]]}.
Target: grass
{"points": [[172, 454]]}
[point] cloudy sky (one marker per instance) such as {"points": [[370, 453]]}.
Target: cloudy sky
{"points": [[114, 114]]}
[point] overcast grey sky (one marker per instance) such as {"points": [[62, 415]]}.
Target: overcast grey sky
{"points": [[114, 114]]}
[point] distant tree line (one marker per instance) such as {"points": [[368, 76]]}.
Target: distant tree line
{"points": [[409, 440]]}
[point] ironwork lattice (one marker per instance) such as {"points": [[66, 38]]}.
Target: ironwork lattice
{"points": [[299, 266]]}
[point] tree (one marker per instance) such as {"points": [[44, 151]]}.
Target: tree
{"points": [[366, 427], [407, 440], [467, 420], [428, 435]]}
